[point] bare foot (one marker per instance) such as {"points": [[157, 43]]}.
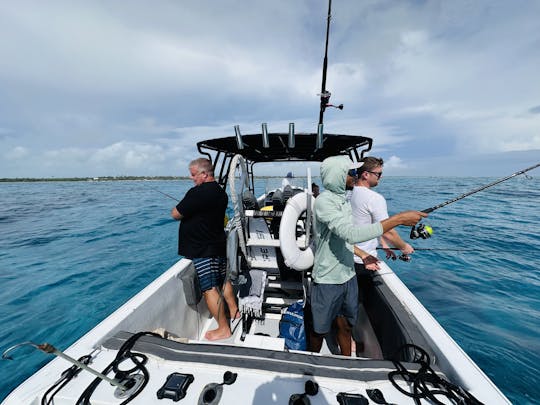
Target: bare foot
{"points": [[218, 334]]}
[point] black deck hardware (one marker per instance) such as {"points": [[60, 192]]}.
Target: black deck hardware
{"points": [[347, 398], [175, 386]]}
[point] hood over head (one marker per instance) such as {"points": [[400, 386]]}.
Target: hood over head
{"points": [[334, 173]]}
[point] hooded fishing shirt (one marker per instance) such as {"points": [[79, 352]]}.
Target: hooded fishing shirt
{"points": [[335, 232]]}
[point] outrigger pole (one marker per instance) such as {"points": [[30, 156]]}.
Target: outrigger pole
{"points": [[476, 190]]}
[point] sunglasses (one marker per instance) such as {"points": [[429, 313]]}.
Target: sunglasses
{"points": [[353, 173], [378, 174]]}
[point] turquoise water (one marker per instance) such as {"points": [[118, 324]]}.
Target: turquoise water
{"points": [[72, 252]]}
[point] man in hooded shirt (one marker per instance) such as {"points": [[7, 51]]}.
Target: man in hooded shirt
{"points": [[334, 295]]}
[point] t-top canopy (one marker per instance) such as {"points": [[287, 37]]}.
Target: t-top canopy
{"points": [[280, 147], [304, 147]]}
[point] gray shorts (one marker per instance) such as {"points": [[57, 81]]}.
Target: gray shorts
{"points": [[330, 300]]}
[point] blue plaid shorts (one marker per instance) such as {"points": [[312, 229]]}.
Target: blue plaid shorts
{"points": [[211, 271]]}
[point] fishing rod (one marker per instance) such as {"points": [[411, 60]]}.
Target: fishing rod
{"points": [[325, 95], [407, 258], [435, 249], [476, 190], [425, 231]]}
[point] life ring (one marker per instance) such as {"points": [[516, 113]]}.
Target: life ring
{"points": [[295, 258]]}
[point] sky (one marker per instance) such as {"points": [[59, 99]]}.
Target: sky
{"points": [[116, 88]]}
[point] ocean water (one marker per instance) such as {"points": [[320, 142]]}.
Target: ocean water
{"points": [[72, 252]]}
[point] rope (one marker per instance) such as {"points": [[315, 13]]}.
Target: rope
{"points": [[67, 376], [425, 383], [123, 354]]}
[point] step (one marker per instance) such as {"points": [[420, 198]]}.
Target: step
{"points": [[264, 264], [286, 285], [263, 214], [263, 242]]}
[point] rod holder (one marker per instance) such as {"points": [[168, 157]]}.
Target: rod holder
{"points": [[265, 139], [291, 135], [50, 349], [320, 132], [239, 141]]}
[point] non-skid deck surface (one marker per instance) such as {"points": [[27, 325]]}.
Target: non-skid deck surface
{"points": [[260, 359]]}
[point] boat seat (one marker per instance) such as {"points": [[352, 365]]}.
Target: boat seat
{"points": [[277, 200], [249, 201], [287, 193]]}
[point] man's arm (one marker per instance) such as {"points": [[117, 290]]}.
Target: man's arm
{"points": [[175, 214], [370, 262], [407, 218], [387, 250], [331, 215], [395, 240]]}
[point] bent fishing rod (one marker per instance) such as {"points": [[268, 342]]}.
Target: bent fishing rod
{"points": [[425, 231]]}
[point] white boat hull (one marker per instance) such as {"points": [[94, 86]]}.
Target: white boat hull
{"points": [[265, 374]]}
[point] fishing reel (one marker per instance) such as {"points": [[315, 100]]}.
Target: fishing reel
{"points": [[421, 231], [404, 257]]}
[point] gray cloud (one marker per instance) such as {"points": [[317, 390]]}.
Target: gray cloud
{"points": [[94, 87]]}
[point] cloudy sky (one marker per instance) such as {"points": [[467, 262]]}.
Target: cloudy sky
{"points": [[93, 88]]}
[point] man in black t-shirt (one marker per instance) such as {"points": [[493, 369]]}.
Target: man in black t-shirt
{"points": [[202, 239]]}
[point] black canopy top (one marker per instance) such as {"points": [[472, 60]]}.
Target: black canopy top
{"points": [[278, 150], [304, 147]]}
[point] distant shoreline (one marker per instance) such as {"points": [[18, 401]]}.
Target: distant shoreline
{"points": [[101, 178]]}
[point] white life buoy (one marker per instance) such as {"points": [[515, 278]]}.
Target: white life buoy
{"points": [[295, 258]]}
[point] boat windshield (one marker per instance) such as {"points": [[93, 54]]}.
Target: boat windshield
{"points": [[273, 183]]}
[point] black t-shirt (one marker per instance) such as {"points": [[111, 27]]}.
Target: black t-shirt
{"points": [[201, 231]]}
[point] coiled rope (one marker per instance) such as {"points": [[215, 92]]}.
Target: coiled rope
{"points": [[124, 353], [426, 384]]}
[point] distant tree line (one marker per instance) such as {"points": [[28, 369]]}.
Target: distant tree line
{"points": [[107, 178], [100, 178]]}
